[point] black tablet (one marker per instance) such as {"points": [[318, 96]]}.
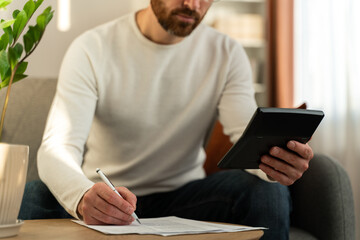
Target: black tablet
{"points": [[267, 128]]}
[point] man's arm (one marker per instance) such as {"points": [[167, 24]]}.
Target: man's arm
{"points": [[60, 155], [235, 110]]}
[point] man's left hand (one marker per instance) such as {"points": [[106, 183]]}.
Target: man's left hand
{"points": [[285, 166]]}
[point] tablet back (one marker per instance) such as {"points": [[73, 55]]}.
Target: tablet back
{"points": [[270, 127]]}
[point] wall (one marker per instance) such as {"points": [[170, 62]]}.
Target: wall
{"points": [[85, 14]]}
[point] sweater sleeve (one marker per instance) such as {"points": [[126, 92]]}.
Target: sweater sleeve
{"points": [[237, 104], [61, 153]]}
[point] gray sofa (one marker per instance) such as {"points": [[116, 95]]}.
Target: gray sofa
{"points": [[323, 206]]}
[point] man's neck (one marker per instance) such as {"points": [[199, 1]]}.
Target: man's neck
{"points": [[151, 29]]}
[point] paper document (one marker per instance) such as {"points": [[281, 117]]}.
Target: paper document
{"points": [[168, 226]]}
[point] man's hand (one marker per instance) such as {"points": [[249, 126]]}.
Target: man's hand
{"points": [[285, 166], [101, 205]]}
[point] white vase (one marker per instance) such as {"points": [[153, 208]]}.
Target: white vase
{"points": [[13, 170]]}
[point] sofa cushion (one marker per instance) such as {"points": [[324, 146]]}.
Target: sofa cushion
{"points": [[29, 104], [299, 234]]}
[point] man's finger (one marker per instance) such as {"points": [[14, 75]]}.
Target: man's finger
{"points": [[276, 175], [112, 198], [105, 218], [290, 158], [128, 196], [112, 211], [281, 166], [303, 150]]}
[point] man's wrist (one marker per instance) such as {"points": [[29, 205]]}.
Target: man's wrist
{"points": [[79, 211]]}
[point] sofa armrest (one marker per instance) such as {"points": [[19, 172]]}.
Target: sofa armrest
{"points": [[323, 202]]}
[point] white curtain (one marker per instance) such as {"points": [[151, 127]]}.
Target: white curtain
{"points": [[327, 77]]}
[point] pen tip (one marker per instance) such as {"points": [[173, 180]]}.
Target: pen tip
{"points": [[98, 169], [138, 221]]}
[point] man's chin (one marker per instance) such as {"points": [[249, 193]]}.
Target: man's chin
{"points": [[180, 33], [182, 30]]}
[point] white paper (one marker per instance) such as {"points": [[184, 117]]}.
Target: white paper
{"points": [[168, 226]]}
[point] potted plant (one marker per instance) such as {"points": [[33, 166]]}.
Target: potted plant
{"points": [[13, 56]]}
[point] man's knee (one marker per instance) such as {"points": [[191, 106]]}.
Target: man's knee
{"points": [[255, 195], [272, 198], [270, 207], [257, 202]]}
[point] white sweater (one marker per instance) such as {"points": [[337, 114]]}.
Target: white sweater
{"points": [[142, 109]]}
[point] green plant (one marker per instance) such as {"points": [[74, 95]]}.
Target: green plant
{"points": [[12, 54]]}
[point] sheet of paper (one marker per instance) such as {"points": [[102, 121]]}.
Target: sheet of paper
{"points": [[168, 226]]}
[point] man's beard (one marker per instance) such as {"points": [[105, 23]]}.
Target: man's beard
{"points": [[171, 23]]}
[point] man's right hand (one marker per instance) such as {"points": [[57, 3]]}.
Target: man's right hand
{"points": [[100, 205]]}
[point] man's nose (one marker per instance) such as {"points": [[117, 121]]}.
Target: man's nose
{"points": [[192, 4]]}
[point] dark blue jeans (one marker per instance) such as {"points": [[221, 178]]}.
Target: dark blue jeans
{"points": [[232, 196]]}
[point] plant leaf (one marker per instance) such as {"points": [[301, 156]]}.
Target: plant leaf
{"points": [[29, 8], [28, 42], [17, 78], [41, 19], [15, 13], [38, 3], [4, 64], [4, 3], [18, 50], [5, 82], [14, 55], [7, 23], [12, 58], [49, 16], [4, 41], [44, 18], [22, 68], [35, 33], [9, 31], [20, 23]]}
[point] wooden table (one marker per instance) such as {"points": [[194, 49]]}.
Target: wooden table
{"points": [[65, 229]]}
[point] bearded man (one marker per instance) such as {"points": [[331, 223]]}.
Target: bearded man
{"points": [[140, 94]]}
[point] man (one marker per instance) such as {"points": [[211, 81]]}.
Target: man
{"points": [[140, 93]]}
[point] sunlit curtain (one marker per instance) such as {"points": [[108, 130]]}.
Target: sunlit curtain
{"points": [[327, 76]]}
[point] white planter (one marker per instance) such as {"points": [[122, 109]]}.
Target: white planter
{"points": [[13, 170]]}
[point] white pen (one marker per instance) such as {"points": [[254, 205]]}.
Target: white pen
{"points": [[107, 181]]}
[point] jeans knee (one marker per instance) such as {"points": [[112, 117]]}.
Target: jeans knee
{"points": [[39, 203], [272, 195], [272, 202]]}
